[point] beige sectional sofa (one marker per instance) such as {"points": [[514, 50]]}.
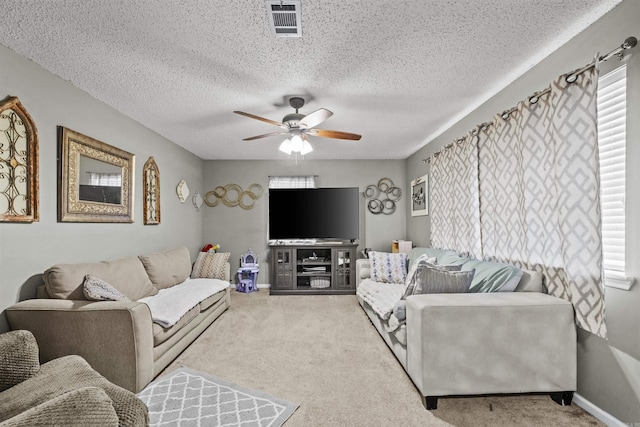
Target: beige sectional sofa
{"points": [[461, 344], [119, 339]]}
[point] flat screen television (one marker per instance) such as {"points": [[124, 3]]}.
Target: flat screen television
{"points": [[318, 213]]}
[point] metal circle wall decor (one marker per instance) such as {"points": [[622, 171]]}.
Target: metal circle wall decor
{"points": [[382, 197], [232, 195]]}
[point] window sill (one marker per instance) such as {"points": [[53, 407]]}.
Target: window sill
{"points": [[618, 281]]}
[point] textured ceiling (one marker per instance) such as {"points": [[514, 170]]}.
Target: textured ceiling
{"points": [[397, 72]]}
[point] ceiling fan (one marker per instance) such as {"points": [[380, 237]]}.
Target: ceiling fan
{"points": [[299, 126]]}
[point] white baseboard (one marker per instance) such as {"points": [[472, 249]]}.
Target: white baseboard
{"points": [[263, 286], [603, 416]]}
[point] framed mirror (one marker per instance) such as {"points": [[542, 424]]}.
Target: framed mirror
{"points": [[18, 163], [95, 180]]}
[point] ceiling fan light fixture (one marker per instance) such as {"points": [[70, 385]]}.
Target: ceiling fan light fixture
{"points": [[285, 147], [306, 148], [296, 143]]}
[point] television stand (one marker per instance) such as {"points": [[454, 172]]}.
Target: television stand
{"points": [[313, 269]]}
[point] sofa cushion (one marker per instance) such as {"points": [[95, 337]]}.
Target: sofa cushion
{"points": [[430, 280], [96, 289], [388, 267], [210, 265], [168, 268], [161, 334], [493, 276], [206, 303], [65, 281]]}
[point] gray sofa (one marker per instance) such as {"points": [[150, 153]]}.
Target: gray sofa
{"points": [[119, 339], [461, 344]]}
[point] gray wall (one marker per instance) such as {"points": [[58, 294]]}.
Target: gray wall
{"points": [[26, 250], [237, 230], [608, 370]]}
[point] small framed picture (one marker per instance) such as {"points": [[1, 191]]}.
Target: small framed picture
{"points": [[420, 196]]}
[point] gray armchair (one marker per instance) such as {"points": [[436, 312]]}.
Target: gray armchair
{"points": [[63, 391]]}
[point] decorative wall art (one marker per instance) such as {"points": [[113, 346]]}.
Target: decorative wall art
{"points": [[232, 195], [18, 163], [197, 201], [182, 190], [96, 180], [420, 196], [151, 186], [382, 197]]}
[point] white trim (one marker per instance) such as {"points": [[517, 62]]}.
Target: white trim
{"points": [[263, 285], [601, 415], [618, 281]]}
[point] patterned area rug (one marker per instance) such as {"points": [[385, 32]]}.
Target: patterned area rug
{"points": [[188, 397]]}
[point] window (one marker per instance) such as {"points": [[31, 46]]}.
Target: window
{"points": [[307, 181], [105, 179], [612, 109]]}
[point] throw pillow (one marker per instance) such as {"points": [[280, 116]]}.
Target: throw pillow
{"points": [[420, 265], [413, 266], [493, 276], [210, 266], [96, 289], [388, 267], [438, 281]]}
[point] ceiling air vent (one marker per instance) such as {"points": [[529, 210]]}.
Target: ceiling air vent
{"points": [[284, 18]]}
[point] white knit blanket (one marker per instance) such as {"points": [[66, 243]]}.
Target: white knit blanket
{"points": [[170, 304], [380, 296]]}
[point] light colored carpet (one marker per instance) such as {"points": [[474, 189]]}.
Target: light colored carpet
{"points": [[185, 397], [322, 352]]}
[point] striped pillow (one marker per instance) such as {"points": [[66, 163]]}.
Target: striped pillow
{"points": [[416, 273], [210, 266], [437, 281]]}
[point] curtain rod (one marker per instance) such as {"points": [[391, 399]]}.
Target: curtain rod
{"points": [[629, 43]]}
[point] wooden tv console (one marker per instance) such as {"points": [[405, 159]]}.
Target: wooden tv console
{"points": [[313, 269]]}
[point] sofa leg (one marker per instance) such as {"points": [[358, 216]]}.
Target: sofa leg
{"points": [[563, 398], [430, 402]]}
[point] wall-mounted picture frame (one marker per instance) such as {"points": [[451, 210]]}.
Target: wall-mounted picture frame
{"points": [[420, 196], [95, 180], [151, 188], [19, 185]]}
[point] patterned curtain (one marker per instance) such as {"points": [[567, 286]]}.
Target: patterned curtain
{"points": [[455, 223], [538, 188]]}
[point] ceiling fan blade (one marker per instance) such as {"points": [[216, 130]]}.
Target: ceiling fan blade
{"points": [[334, 134], [315, 118], [263, 136], [262, 119]]}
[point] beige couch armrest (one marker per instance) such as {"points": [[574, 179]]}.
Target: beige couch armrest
{"points": [[115, 337], [227, 273], [468, 344], [363, 270]]}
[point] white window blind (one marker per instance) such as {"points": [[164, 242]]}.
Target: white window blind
{"points": [[612, 109], [105, 179], [306, 181]]}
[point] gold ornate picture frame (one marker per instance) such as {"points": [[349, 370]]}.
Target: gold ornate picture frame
{"points": [[19, 189], [151, 186], [95, 180]]}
